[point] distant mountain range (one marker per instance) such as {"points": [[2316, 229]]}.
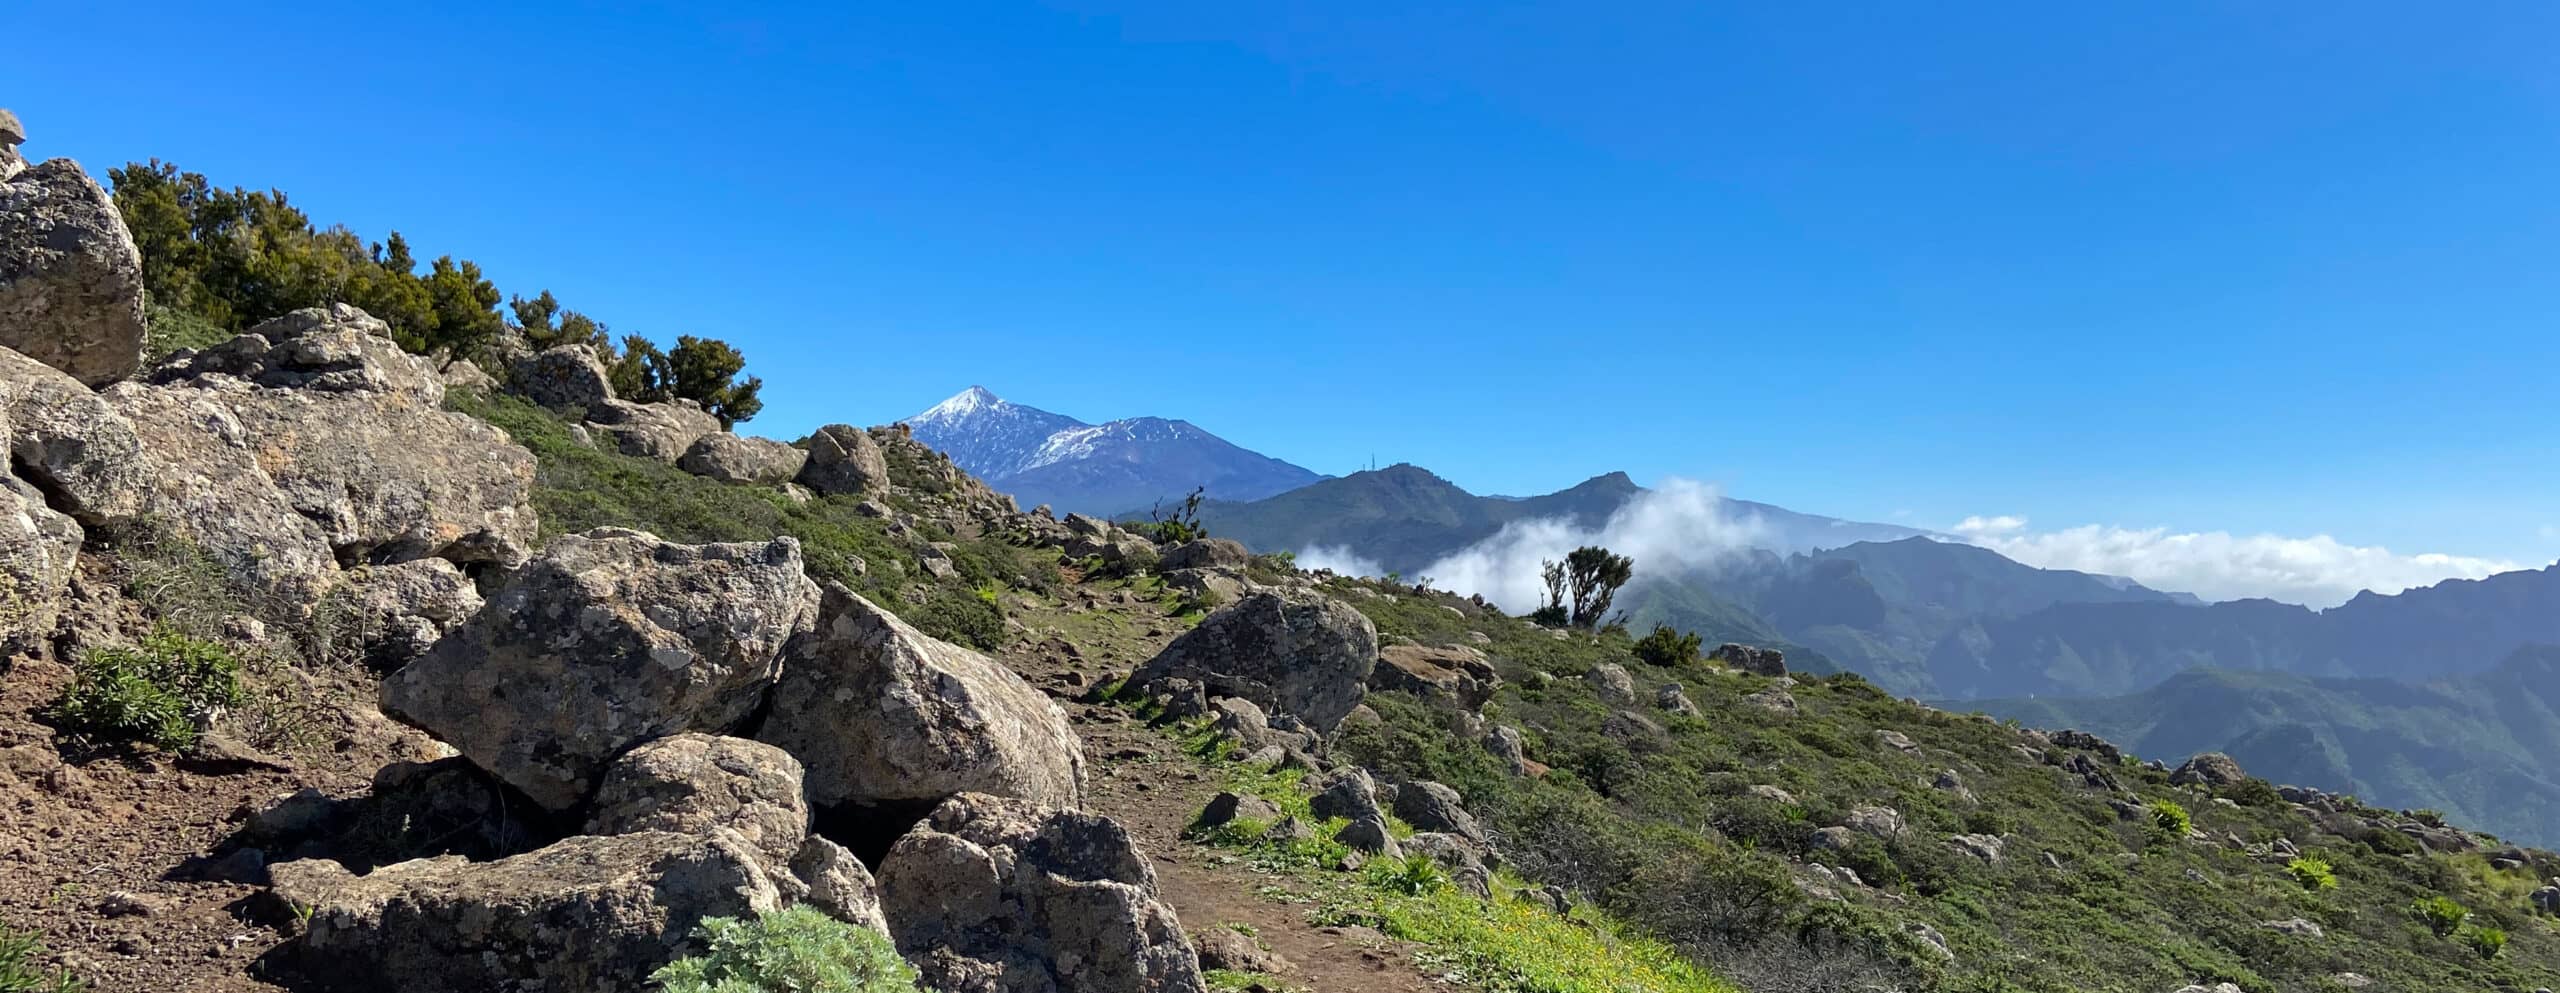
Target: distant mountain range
{"points": [[1115, 468], [2477, 746]]}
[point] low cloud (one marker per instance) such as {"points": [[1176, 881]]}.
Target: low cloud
{"points": [[1677, 527], [1339, 558], [2318, 571]]}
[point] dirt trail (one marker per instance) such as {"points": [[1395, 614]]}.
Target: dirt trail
{"points": [[1144, 780]]}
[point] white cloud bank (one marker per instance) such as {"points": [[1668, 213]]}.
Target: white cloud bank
{"points": [[2318, 571], [1339, 558], [1676, 527]]}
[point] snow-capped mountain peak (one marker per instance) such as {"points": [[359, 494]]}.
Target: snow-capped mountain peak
{"points": [[1109, 468]]}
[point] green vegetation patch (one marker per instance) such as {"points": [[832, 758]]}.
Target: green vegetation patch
{"points": [[162, 692], [794, 950]]}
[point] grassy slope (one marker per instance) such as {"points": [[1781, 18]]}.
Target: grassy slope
{"points": [[1634, 816]]}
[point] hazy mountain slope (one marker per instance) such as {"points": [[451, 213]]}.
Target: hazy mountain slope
{"points": [[2088, 649], [1114, 468], [2477, 746]]}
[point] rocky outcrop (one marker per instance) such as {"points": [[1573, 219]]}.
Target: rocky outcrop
{"points": [[38, 551], [991, 895], [730, 458], [1207, 553], [346, 458], [2208, 769], [12, 134], [569, 378], [587, 915], [1300, 654], [661, 431], [1756, 661], [694, 783], [1447, 675], [608, 639], [402, 609], [1610, 682], [70, 277], [881, 713], [845, 461]]}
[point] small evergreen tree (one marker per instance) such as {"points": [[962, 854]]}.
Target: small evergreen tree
{"points": [[1667, 647]]}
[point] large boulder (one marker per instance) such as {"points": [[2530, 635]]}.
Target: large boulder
{"points": [[592, 914], [331, 349], [691, 783], [1610, 682], [1447, 675], [38, 550], [845, 460], [882, 714], [1756, 661], [569, 378], [1296, 653], [70, 276], [1430, 806], [402, 609], [1207, 553], [71, 442], [607, 640], [992, 895], [730, 458], [2208, 769], [661, 431]]}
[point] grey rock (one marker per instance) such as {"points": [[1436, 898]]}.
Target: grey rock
{"points": [[1346, 793], [2296, 926], [1430, 806], [568, 378], [1834, 839], [70, 276], [587, 915], [1756, 661], [1987, 847], [1299, 654], [1773, 700], [879, 712], [1369, 835], [607, 640], [1898, 741], [1207, 553], [661, 431], [730, 458], [845, 461], [832, 880], [1610, 682], [1772, 794], [1446, 675], [2208, 769], [39, 551], [1506, 744], [2547, 899], [691, 783], [402, 609], [1235, 951], [331, 349], [1227, 808], [1875, 821], [1671, 698], [466, 376], [994, 895]]}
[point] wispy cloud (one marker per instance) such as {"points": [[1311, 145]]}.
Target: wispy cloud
{"points": [[1339, 558], [1676, 527], [2317, 571]]}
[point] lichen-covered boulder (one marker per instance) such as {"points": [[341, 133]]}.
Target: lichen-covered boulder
{"points": [[881, 713], [1296, 653], [568, 378], [1610, 682], [730, 458], [691, 783], [38, 551], [592, 914], [846, 461], [994, 895], [661, 431], [403, 608], [71, 442], [70, 276], [608, 639], [332, 349]]}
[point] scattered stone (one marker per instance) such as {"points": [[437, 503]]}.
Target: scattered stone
{"points": [[2297, 927], [1299, 654], [1227, 808], [1987, 847], [1772, 794], [1898, 741], [1884, 823], [1207, 553], [834, 881], [879, 712], [1773, 700], [1505, 743], [1369, 835], [1671, 698], [1447, 676], [1232, 950], [609, 639], [1610, 682]]}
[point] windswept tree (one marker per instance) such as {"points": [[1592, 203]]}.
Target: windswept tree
{"points": [[548, 325], [1580, 587], [705, 370]]}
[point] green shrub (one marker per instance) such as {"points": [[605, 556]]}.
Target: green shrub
{"points": [[2487, 941], [18, 972], [2313, 873], [162, 692], [2169, 820], [1666, 647], [2440, 914], [1411, 875], [798, 950]]}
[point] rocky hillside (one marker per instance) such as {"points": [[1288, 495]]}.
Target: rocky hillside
{"points": [[334, 667]]}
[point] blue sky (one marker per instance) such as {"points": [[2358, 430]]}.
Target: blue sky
{"points": [[2280, 269]]}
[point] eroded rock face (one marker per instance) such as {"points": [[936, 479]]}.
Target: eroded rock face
{"points": [[1300, 654], [331, 349], [608, 639], [991, 895], [70, 276], [692, 783], [880, 713], [733, 459], [71, 441], [402, 609], [587, 915], [661, 431], [845, 460], [38, 551]]}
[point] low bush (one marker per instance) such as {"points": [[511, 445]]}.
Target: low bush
{"points": [[1666, 647], [162, 692], [2440, 914], [2314, 874], [18, 972], [797, 950]]}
